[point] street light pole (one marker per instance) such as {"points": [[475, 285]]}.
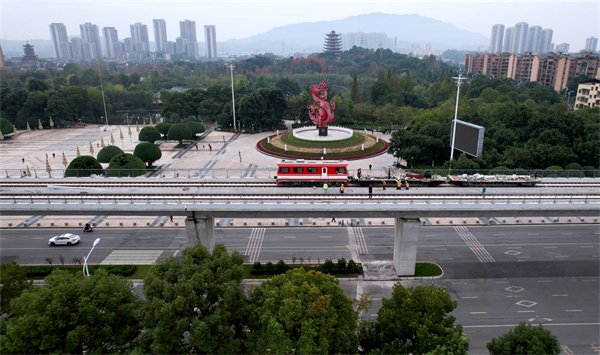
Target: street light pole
{"points": [[230, 66], [103, 101], [86, 272], [458, 81], [569, 98]]}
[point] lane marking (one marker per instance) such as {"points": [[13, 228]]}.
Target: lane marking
{"points": [[469, 297], [430, 235], [445, 258], [586, 246], [566, 233], [289, 236], [501, 282], [573, 310], [560, 295], [544, 280], [441, 249], [533, 233], [482, 254], [550, 247], [589, 280], [477, 312], [525, 311], [325, 236], [514, 325], [497, 235]]}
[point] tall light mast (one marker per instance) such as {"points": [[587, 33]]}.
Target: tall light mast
{"points": [[458, 80], [230, 66]]}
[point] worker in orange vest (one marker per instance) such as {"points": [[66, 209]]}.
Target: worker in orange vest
{"points": [[342, 189]]}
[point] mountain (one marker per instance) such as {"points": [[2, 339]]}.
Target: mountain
{"points": [[309, 36]]}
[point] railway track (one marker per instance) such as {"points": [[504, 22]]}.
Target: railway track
{"points": [[216, 183]]}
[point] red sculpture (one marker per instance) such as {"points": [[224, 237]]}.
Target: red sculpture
{"points": [[321, 113]]}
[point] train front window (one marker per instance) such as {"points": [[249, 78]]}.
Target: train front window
{"points": [[284, 170], [340, 170], [298, 170]]}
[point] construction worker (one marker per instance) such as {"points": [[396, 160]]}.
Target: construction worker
{"points": [[399, 186], [342, 188], [383, 184], [407, 184], [359, 172]]}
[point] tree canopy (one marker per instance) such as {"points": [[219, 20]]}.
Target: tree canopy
{"points": [[83, 166], [125, 165], [13, 279], [72, 314], [147, 152], [195, 305], [179, 132], [525, 339], [107, 153], [304, 312], [149, 134]]}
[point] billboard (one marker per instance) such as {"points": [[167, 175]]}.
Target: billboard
{"points": [[469, 138]]}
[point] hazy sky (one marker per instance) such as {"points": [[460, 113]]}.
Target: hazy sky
{"points": [[572, 21]]}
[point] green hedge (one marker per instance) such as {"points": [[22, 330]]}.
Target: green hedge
{"points": [[329, 267], [370, 150], [45, 270]]}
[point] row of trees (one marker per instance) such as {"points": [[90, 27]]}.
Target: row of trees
{"points": [[197, 305]]}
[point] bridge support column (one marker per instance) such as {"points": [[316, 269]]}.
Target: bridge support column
{"points": [[405, 245], [200, 230]]}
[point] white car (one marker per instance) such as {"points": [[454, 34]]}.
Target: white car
{"points": [[64, 239]]}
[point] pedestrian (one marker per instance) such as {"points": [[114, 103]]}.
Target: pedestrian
{"points": [[23, 159], [342, 188], [370, 190], [171, 218], [97, 145], [407, 185], [399, 186], [359, 172], [325, 187], [369, 167], [46, 155], [210, 147], [53, 155], [196, 146], [535, 174], [383, 184], [389, 172], [333, 219], [483, 191]]}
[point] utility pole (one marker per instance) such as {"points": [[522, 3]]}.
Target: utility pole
{"points": [[103, 101], [458, 80], [230, 66]]}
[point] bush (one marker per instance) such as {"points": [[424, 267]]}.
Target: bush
{"points": [[195, 127], [163, 128], [45, 270], [179, 132], [107, 153], [499, 170], [573, 166], [125, 165], [554, 171], [149, 134], [590, 171], [147, 152], [5, 126], [83, 166]]}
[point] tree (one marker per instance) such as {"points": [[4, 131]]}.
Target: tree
{"points": [[195, 305], [417, 321], [149, 134], [5, 126], [73, 314], [288, 87], [107, 153], [525, 339], [179, 132], [195, 127], [354, 91], [125, 165], [163, 128], [83, 166], [302, 311], [34, 84], [13, 279], [56, 106], [147, 152]]}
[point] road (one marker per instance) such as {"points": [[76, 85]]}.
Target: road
{"points": [[499, 275]]}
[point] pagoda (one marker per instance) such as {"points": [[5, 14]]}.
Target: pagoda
{"points": [[333, 43], [30, 55]]}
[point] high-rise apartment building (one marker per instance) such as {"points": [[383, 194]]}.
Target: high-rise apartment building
{"points": [[546, 41], [187, 30], [520, 37], [91, 34], [534, 39], [160, 35], [588, 94], [497, 38], [509, 38], [591, 44], [60, 41], [77, 48], [210, 41], [139, 35], [111, 38], [563, 47]]}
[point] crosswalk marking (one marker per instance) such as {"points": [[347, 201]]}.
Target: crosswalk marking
{"points": [[476, 247], [255, 244]]}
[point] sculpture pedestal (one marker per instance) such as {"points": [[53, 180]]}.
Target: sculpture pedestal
{"points": [[323, 131]]}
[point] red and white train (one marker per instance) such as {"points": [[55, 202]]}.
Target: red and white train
{"points": [[312, 172]]}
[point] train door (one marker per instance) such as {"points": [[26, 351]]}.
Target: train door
{"points": [[324, 173]]}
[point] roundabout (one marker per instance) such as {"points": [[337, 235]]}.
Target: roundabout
{"points": [[358, 145]]}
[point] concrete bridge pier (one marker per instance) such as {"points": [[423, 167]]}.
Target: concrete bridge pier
{"points": [[405, 245], [201, 230]]}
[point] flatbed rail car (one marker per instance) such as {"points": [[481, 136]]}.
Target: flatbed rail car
{"points": [[493, 180], [416, 180], [312, 172]]}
